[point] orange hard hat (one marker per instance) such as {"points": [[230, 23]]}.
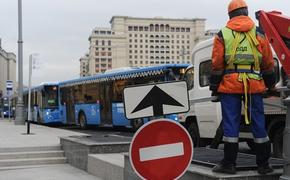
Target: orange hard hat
{"points": [[236, 4]]}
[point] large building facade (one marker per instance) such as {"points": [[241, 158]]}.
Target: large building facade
{"points": [[135, 41], [7, 69], [84, 66]]}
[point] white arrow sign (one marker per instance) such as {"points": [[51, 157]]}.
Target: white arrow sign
{"points": [[156, 99]]}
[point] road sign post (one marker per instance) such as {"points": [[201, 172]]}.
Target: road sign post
{"points": [[161, 149]]}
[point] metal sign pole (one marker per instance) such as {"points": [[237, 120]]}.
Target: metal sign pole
{"points": [[9, 107], [286, 139], [29, 94]]}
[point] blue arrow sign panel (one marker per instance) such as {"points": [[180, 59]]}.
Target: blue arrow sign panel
{"points": [[156, 99]]}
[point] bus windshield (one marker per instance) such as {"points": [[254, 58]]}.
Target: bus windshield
{"points": [[50, 97]]}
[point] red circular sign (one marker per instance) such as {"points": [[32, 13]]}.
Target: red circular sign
{"points": [[161, 150]]}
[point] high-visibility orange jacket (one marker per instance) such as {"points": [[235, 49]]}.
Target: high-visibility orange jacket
{"points": [[230, 82]]}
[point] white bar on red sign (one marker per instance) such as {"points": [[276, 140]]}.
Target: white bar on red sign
{"points": [[161, 151]]}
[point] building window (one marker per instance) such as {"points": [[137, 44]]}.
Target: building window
{"points": [[97, 65], [103, 53], [172, 29], [109, 54], [110, 60], [187, 29], [146, 62], [109, 43], [103, 49], [177, 29], [141, 62], [109, 49], [140, 28], [146, 41], [103, 43], [182, 29], [167, 28], [136, 35], [135, 57], [130, 40], [136, 41], [110, 66], [130, 56], [141, 40], [130, 46], [97, 42], [151, 27], [97, 53], [97, 49], [135, 28], [177, 36], [130, 28], [156, 27], [136, 46], [162, 28], [182, 36], [130, 35], [97, 60], [130, 51], [136, 51], [146, 28]]}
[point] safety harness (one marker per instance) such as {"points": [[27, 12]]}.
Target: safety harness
{"points": [[247, 65]]}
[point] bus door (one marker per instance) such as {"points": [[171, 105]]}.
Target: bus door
{"points": [[106, 103], [68, 98]]}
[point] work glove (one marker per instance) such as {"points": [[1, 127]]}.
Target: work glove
{"points": [[269, 79], [215, 96]]}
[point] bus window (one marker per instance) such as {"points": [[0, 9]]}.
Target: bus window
{"points": [[189, 78], [50, 96], [118, 87], [204, 73]]}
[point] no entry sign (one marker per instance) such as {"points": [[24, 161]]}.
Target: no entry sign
{"points": [[160, 150]]}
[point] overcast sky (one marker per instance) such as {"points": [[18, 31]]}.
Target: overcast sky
{"points": [[59, 29]]}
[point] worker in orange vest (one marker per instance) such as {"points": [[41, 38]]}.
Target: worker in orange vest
{"points": [[242, 68]]}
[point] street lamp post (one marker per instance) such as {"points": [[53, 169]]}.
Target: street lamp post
{"points": [[19, 119]]}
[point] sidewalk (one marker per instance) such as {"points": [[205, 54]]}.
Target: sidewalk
{"points": [[14, 135], [49, 172]]}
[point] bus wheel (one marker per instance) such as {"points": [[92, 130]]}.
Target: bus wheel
{"points": [[136, 124], [278, 143], [193, 132], [83, 121]]}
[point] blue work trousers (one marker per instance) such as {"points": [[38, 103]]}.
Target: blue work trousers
{"points": [[231, 112]]}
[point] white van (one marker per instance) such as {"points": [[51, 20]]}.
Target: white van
{"points": [[204, 118]]}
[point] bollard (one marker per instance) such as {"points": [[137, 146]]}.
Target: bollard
{"points": [[286, 139]]}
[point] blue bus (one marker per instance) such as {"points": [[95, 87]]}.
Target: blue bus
{"points": [[98, 100], [44, 103]]}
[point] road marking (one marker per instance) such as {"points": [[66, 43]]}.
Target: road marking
{"points": [[161, 151]]}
